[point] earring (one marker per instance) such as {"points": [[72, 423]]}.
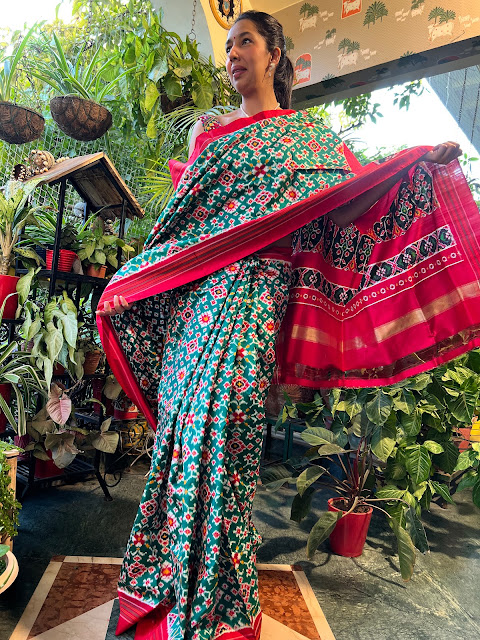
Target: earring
{"points": [[271, 65]]}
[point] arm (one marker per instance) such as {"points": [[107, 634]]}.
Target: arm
{"points": [[196, 131], [348, 213]]}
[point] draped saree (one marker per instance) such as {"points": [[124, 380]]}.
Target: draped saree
{"points": [[392, 295]]}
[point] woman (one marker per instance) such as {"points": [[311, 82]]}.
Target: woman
{"points": [[197, 335]]}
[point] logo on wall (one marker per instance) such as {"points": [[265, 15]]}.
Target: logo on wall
{"points": [[351, 7], [303, 68], [226, 11]]}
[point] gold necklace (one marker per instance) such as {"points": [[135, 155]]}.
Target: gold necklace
{"points": [[247, 116]]}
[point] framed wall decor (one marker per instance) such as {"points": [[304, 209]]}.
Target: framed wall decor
{"points": [[226, 11]]}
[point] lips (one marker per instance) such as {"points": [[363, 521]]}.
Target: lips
{"points": [[237, 71]]}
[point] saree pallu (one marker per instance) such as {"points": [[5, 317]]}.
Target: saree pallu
{"points": [[203, 299]]}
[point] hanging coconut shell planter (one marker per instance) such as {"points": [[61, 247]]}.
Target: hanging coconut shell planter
{"points": [[19, 125], [80, 118]]}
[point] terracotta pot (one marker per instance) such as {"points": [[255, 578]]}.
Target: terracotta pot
{"points": [[348, 537], [19, 125], [5, 392], [65, 259], [96, 273], [8, 285], [11, 572], [92, 358], [79, 118]]}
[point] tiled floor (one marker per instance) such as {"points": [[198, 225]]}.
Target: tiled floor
{"points": [[75, 600]]}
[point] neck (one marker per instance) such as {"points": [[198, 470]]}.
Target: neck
{"points": [[252, 105]]}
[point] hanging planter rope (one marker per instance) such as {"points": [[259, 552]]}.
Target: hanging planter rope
{"points": [[19, 125], [79, 118]]}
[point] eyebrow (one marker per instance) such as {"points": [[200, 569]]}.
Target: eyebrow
{"points": [[240, 35]]}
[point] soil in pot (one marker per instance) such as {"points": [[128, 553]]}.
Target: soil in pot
{"points": [[18, 124], [79, 118], [349, 535], [8, 285]]}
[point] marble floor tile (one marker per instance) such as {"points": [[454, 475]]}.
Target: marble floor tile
{"points": [[92, 625]]}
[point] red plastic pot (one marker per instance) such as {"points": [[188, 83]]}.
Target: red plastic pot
{"points": [[5, 392], [348, 537], [47, 468], [65, 259], [8, 285]]}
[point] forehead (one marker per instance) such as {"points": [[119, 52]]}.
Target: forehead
{"points": [[241, 27]]}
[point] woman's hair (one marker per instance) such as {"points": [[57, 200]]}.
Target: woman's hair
{"points": [[272, 32]]}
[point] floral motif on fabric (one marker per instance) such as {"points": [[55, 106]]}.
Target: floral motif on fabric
{"points": [[349, 248], [240, 177], [141, 331], [193, 544]]}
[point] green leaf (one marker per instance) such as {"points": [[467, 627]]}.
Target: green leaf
{"points": [[53, 340], [317, 435], [476, 494], [301, 505], [383, 438], [183, 68], [151, 96], [308, 477], [462, 408], [159, 69], [433, 447], [106, 442], [70, 328], [172, 86], [24, 286], [152, 127], [466, 459], [99, 256], [405, 401], [335, 395], [442, 490], [330, 449], [379, 408], [202, 95], [468, 480], [129, 56], [418, 463], [275, 477], [321, 530], [390, 492], [447, 460], [406, 551], [412, 423], [416, 530]]}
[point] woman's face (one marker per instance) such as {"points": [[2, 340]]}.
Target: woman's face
{"points": [[248, 59]]}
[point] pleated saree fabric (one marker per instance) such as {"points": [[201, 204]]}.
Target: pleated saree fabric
{"points": [[197, 351]]}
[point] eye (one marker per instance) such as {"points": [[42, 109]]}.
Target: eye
{"points": [[246, 40]]}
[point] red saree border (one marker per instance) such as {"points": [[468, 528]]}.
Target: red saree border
{"points": [[234, 244]]}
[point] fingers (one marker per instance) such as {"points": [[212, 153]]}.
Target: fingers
{"points": [[119, 306], [444, 153]]}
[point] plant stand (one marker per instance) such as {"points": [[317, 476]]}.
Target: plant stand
{"points": [[98, 183]]}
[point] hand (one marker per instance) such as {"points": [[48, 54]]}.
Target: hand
{"points": [[443, 153], [119, 306]]}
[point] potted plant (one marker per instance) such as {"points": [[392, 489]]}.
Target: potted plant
{"points": [[97, 249], [89, 353], [57, 438], [15, 213], [81, 87], [9, 508], [18, 124], [19, 375], [359, 492], [51, 331], [68, 245]]}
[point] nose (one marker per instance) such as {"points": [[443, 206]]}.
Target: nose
{"points": [[232, 54]]}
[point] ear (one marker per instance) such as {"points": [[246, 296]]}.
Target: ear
{"points": [[276, 55]]}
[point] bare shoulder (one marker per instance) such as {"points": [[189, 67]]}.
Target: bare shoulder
{"points": [[226, 118]]}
